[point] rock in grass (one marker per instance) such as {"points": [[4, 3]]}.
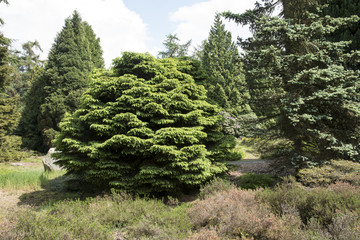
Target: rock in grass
{"points": [[49, 162]]}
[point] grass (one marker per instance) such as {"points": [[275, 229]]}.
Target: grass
{"points": [[267, 148], [255, 181], [25, 178]]}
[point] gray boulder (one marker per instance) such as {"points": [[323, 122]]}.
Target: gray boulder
{"points": [[49, 162]]}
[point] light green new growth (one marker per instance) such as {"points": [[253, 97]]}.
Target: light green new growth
{"points": [[145, 127]]}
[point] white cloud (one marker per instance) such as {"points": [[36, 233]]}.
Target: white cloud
{"points": [[118, 28], [194, 22]]}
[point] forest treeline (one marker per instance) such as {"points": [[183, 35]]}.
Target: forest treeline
{"points": [[162, 124]]}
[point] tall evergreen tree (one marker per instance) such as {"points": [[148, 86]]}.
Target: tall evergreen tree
{"points": [[74, 54], [174, 48], [345, 8], [4, 62], [26, 65], [265, 91], [222, 63], [94, 46], [9, 116], [318, 108]]}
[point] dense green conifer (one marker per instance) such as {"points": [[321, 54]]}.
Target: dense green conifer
{"points": [[222, 63], [9, 115], [345, 8], [4, 62], [317, 102], [57, 90], [145, 127]]}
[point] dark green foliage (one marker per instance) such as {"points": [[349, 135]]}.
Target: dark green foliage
{"points": [[340, 170], [174, 48], [225, 79], [9, 115], [266, 91], [29, 128], [94, 46], [345, 8], [57, 90], [4, 62], [305, 84], [26, 66], [255, 181], [145, 127], [321, 108]]}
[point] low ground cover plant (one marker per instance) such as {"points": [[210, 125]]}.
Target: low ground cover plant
{"points": [[100, 218], [334, 210], [255, 181], [334, 171], [288, 211]]}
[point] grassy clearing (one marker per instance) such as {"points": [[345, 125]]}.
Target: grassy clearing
{"points": [[32, 178]]}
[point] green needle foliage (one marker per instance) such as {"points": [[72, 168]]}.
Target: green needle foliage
{"points": [[173, 48], [345, 8], [144, 127], [57, 90], [222, 63], [318, 98], [9, 115]]}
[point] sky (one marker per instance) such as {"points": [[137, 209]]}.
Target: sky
{"points": [[122, 25]]}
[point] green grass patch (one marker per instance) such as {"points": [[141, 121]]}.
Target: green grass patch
{"points": [[34, 159], [255, 181], [268, 148], [25, 179], [237, 153]]}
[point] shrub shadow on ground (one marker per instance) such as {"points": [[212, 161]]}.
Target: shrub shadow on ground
{"points": [[55, 190]]}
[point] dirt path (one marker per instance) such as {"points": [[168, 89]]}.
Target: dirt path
{"points": [[9, 201]]}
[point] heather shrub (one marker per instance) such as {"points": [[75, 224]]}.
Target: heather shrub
{"points": [[236, 214], [214, 186], [140, 217], [320, 205], [100, 218], [43, 225], [336, 170], [345, 226], [205, 234]]}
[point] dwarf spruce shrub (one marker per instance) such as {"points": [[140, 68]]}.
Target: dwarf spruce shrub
{"points": [[144, 126]]}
